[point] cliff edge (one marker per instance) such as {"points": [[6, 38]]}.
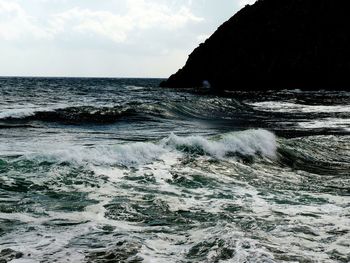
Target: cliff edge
{"points": [[275, 44]]}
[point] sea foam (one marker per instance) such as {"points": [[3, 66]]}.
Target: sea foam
{"points": [[277, 106], [245, 143], [125, 155], [17, 113], [25, 111], [248, 143]]}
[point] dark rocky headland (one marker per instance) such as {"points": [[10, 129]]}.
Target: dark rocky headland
{"points": [[275, 44]]}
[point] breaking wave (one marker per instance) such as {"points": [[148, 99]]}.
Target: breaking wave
{"points": [[248, 143], [17, 113], [75, 115], [79, 114]]}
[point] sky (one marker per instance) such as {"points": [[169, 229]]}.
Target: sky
{"points": [[105, 38]]}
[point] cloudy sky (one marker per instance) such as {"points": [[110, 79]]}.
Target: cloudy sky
{"points": [[105, 38]]}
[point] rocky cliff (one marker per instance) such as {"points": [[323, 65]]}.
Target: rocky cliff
{"points": [[275, 44]]}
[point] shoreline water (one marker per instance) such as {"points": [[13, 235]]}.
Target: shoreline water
{"points": [[122, 170]]}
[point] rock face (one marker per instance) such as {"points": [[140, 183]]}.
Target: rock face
{"points": [[275, 44]]}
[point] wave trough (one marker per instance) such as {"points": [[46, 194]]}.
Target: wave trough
{"points": [[102, 170]]}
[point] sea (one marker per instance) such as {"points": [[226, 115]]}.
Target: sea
{"points": [[120, 170]]}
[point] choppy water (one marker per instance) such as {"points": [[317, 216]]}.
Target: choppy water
{"points": [[103, 170]]}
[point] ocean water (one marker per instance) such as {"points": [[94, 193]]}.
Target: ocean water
{"points": [[119, 170]]}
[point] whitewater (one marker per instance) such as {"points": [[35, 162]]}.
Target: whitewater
{"points": [[119, 170]]}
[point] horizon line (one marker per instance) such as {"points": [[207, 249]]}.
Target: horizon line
{"points": [[79, 77]]}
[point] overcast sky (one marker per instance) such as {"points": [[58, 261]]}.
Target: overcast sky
{"points": [[105, 38]]}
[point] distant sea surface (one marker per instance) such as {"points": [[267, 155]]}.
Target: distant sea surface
{"points": [[119, 170]]}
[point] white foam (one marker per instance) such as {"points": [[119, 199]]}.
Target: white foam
{"points": [[247, 143], [22, 111], [250, 142], [17, 113], [276, 106], [335, 123], [128, 155]]}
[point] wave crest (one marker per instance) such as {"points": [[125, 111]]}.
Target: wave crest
{"points": [[246, 143], [138, 110], [74, 115]]}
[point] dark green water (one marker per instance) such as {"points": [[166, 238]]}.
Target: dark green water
{"points": [[118, 170]]}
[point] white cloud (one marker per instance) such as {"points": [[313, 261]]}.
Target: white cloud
{"points": [[104, 38], [202, 38], [139, 15], [6, 6], [246, 2], [149, 14], [15, 22], [85, 21]]}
